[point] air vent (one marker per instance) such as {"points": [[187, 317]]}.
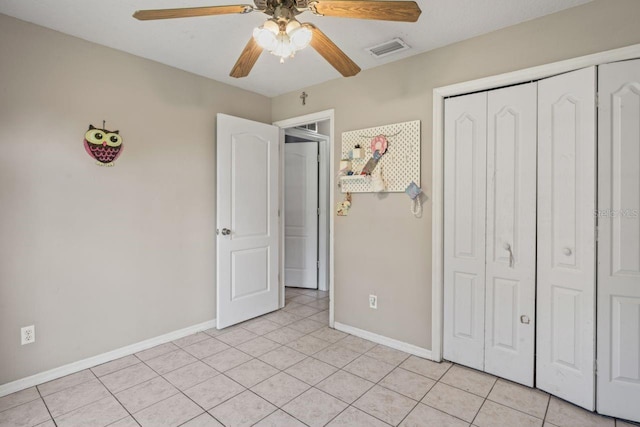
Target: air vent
{"points": [[387, 48], [313, 127]]}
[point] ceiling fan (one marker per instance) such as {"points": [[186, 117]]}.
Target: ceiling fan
{"points": [[283, 35]]}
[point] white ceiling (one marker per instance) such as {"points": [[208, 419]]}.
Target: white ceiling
{"points": [[209, 46]]}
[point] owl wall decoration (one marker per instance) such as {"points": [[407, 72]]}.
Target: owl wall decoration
{"points": [[103, 145]]}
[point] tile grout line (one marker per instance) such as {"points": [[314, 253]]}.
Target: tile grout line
{"points": [[546, 410], [515, 409], [419, 400], [278, 408], [45, 405], [485, 399], [23, 403], [79, 407], [118, 400], [444, 412], [190, 399], [281, 408]]}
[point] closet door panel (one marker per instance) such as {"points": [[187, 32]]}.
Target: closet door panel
{"points": [[566, 236], [619, 240], [464, 231], [511, 233]]}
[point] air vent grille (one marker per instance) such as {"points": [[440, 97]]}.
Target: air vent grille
{"points": [[387, 48], [313, 127]]}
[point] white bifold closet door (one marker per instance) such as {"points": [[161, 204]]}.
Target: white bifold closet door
{"points": [[566, 236], [465, 144], [490, 231], [511, 233], [619, 240]]}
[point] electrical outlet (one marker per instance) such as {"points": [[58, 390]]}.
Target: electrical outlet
{"points": [[28, 334], [373, 301]]}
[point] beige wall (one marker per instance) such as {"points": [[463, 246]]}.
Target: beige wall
{"points": [[99, 258], [380, 248]]}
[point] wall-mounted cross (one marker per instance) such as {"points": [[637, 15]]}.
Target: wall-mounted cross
{"points": [[304, 98]]}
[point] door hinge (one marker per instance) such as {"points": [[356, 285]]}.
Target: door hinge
{"points": [[595, 367], [318, 158], [317, 265], [597, 99], [318, 211], [278, 212]]}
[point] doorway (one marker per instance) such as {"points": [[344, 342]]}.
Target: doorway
{"points": [[306, 206], [325, 133]]}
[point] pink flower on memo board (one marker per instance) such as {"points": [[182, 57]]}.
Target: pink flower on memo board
{"points": [[379, 144]]}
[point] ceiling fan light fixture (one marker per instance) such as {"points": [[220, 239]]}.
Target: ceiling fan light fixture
{"points": [[265, 38], [300, 37], [272, 25], [283, 46], [292, 25], [281, 39]]}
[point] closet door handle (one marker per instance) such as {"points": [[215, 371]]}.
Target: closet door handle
{"points": [[567, 251], [507, 247]]}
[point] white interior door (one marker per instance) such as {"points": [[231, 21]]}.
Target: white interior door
{"points": [[247, 211], [511, 233], [566, 236], [465, 138], [301, 214], [619, 240]]}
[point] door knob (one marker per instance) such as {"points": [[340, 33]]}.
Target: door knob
{"points": [[524, 319], [226, 231], [566, 251]]}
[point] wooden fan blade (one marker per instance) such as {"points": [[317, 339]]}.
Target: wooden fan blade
{"points": [[247, 59], [404, 11], [332, 53], [189, 12]]}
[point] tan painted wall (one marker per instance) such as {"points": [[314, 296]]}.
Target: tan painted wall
{"points": [[380, 248], [99, 258]]}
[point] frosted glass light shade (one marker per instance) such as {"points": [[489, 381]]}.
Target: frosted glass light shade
{"points": [[265, 38], [300, 38]]}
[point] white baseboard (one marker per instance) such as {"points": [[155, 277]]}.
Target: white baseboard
{"points": [[389, 342], [90, 362]]}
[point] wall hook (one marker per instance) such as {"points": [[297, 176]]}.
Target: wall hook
{"points": [[304, 96]]}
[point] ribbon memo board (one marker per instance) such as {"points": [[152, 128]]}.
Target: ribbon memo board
{"points": [[400, 163]]}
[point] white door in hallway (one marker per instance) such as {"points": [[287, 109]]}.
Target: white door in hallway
{"points": [[619, 240], [566, 236], [247, 216], [465, 140], [511, 233], [301, 214]]}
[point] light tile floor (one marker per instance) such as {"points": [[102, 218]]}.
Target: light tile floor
{"points": [[286, 369]]}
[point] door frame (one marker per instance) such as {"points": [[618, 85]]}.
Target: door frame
{"points": [[299, 121], [324, 204], [437, 197]]}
